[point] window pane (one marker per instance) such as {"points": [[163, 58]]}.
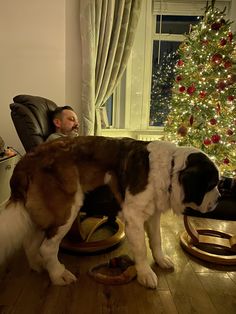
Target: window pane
{"points": [[174, 24], [158, 24], [163, 65], [109, 109]]}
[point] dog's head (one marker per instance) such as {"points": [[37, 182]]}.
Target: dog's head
{"points": [[199, 180]]}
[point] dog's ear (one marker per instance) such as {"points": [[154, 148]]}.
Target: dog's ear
{"points": [[199, 177], [193, 185]]}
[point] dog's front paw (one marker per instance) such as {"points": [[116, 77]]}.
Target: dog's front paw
{"points": [[147, 278], [164, 262], [64, 279]]}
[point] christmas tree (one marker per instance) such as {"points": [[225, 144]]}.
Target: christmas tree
{"points": [[203, 109]]}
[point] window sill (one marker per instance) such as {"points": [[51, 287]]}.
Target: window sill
{"points": [[145, 135]]}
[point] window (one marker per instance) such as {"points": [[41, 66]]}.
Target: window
{"points": [[174, 24], [140, 102], [163, 63], [166, 41], [109, 110]]}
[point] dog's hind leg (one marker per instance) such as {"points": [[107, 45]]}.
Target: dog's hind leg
{"points": [[31, 247], [58, 274], [153, 229]]}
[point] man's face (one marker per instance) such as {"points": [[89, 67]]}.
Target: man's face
{"points": [[67, 123]]}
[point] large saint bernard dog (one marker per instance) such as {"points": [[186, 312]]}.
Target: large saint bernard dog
{"points": [[147, 178]]}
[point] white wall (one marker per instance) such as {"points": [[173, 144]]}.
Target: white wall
{"points": [[73, 56], [32, 55]]}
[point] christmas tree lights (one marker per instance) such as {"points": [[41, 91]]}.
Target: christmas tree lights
{"points": [[162, 81], [203, 105]]}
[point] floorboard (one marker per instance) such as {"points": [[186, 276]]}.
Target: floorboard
{"points": [[193, 286]]}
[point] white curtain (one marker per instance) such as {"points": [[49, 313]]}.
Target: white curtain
{"points": [[107, 34]]}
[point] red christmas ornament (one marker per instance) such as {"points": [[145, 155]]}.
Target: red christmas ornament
{"points": [[223, 42], [230, 132], [180, 63], [182, 130], [191, 89], [230, 36], [227, 64], [205, 42], [213, 121], [182, 89], [207, 141], [215, 138], [215, 26], [231, 79], [230, 98], [216, 58], [226, 161], [178, 78], [191, 120], [221, 85], [202, 94]]}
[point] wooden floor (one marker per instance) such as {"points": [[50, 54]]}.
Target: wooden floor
{"points": [[192, 287]]}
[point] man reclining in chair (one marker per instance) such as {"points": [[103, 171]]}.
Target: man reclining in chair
{"points": [[65, 121]]}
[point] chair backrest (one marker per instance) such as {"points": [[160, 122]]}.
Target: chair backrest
{"points": [[31, 118]]}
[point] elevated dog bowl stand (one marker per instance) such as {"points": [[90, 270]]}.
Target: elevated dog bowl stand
{"points": [[79, 238], [209, 245]]}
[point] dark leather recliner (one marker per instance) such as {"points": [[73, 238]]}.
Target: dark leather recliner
{"points": [[31, 117]]}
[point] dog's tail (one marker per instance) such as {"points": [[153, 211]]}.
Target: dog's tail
{"points": [[15, 224]]}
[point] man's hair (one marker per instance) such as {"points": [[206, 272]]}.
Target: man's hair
{"points": [[58, 111]]}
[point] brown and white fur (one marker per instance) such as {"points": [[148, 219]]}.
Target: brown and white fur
{"points": [[49, 184]]}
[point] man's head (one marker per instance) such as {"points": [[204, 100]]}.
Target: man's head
{"points": [[65, 120]]}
